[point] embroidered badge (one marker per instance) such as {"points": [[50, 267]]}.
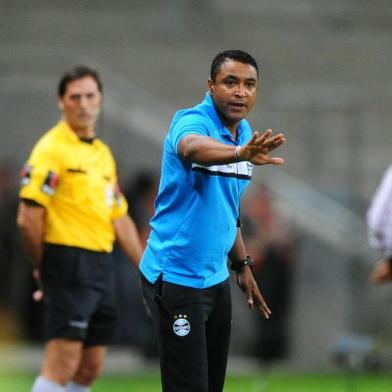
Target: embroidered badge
{"points": [[50, 183], [25, 175], [181, 326], [117, 195]]}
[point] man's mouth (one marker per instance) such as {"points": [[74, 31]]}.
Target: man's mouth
{"points": [[84, 116], [237, 105]]}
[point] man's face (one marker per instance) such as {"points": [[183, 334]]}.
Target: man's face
{"points": [[234, 91], [81, 104]]}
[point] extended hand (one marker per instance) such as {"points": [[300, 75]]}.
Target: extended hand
{"points": [[258, 148], [382, 272], [248, 285]]}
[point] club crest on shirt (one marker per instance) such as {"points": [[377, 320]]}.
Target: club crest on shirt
{"points": [[181, 325], [50, 183]]}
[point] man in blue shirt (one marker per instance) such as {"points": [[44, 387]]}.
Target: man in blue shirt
{"points": [[208, 158]]}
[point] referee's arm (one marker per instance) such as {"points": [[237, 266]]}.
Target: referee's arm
{"points": [[31, 220], [128, 238]]}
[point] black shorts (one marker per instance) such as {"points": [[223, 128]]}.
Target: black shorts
{"points": [[193, 334], [79, 294]]}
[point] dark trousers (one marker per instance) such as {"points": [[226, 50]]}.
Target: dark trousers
{"points": [[193, 328]]}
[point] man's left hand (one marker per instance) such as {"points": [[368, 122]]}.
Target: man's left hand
{"points": [[248, 285], [258, 148]]}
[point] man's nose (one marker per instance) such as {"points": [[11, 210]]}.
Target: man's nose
{"points": [[240, 91], [83, 102]]}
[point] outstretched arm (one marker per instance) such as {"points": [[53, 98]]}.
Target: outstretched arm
{"points": [[128, 238], [245, 279], [208, 151]]}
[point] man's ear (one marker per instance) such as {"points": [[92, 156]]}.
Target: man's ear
{"points": [[210, 84], [60, 104]]}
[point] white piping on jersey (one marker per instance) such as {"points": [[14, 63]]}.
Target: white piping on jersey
{"points": [[242, 170]]}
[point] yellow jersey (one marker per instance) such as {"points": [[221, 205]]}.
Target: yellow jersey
{"points": [[76, 182]]}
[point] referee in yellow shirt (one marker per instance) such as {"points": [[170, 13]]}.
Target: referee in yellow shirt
{"points": [[70, 213]]}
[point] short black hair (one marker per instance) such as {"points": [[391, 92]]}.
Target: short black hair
{"points": [[76, 73], [237, 55]]}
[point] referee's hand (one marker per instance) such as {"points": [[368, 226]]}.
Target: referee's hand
{"points": [[248, 285], [37, 294]]}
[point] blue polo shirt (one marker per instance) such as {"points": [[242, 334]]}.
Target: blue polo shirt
{"points": [[196, 210]]}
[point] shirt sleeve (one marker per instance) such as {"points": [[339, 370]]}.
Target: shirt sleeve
{"points": [[379, 216], [189, 124], [40, 175], [120, 205]]}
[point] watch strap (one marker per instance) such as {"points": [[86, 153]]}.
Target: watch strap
{"points": [[239, 264]]}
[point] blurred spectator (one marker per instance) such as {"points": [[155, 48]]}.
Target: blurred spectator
{"points": [[379, 221], [7, 252], [271, 243], [140, 192], [20, 316], [8, 203]]}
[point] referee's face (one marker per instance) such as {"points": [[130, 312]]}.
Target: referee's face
{"points": [[81, 105], [234, 91]]}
